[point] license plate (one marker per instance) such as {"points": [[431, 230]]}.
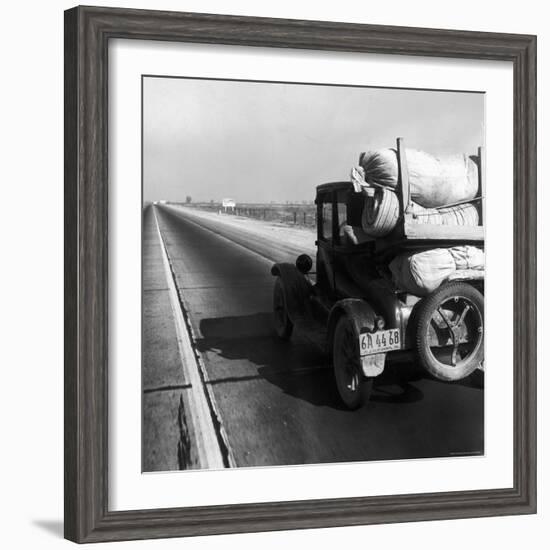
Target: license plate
{"points": [[379, 342]]}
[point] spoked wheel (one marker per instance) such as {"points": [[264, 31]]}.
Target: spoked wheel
{"points": [[354, 388], [449, 336], [283, 324]]}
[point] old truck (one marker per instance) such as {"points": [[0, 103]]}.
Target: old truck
{"points": [[349, 304]]}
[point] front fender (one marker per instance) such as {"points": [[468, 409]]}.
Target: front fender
{"points": [[363, 318], [297, 289], [361, 314]]}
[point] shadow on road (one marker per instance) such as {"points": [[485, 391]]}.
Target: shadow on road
{"points": [[298, 367]]}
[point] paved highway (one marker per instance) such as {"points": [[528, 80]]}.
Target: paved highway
{"points": [[275, 403]]}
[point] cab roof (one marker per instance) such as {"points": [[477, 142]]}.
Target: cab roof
{"points": [[333, 186]]}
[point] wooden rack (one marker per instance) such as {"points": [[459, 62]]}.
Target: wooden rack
{"points": [[410, 233]]}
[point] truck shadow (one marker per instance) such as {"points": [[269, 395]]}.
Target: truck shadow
{"points": [[250, 350]]}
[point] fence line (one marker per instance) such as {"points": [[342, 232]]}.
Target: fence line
{"points": [[300, 215]]}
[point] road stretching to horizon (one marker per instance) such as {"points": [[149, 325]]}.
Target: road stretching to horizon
{"points": [[271, 402]]}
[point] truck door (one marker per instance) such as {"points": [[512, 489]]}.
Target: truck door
{"points": [[326, 230]]}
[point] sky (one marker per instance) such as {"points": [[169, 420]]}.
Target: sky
{"points": [[261, 142]]}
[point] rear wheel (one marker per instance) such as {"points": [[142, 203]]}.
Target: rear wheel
{"points": [[281, 320], [449, 336], [354, 388]]}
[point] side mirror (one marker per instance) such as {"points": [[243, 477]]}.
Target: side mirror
{"points": [[303, 263]]}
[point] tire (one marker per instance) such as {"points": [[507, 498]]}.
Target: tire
{"points": [[353, 387], [451, 313], [281, 320]]}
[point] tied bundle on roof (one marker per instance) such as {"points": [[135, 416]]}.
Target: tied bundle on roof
{"points": [[381, 208], [460, 214], [434, 182]]}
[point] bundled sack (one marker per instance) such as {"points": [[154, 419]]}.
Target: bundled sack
{"points": [[381, 209], [461, 214], [380, 212], [468, 257], [422, 272], [433, 181]]}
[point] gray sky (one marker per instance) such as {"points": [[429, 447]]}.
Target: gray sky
{"points": [[262, 142]]}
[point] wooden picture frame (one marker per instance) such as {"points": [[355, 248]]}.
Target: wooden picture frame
{"points": [[87, 34]]}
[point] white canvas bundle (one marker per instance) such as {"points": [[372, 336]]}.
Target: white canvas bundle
{"points": [[422, 272], [461, 214], [434, 182]]}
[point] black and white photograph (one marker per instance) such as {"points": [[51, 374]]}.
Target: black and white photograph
{"points": [[274, 275], [313, 267]]}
